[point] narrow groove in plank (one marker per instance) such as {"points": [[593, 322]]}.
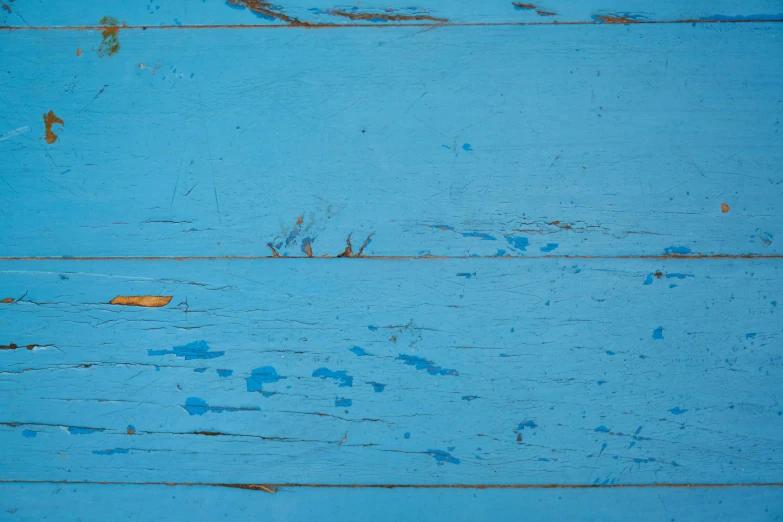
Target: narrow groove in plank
{"points": [[270, 488], [377, 26], [387, 258]]}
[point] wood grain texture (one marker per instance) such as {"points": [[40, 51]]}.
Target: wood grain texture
{"points": [[87, 503], [177, 13], [483, 371], [498, 141]]}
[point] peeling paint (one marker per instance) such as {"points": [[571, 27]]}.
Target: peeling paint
{"points": [[50, 119], [148, 301]]}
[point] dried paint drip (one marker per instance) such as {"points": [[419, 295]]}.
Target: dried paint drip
{"points": [[110, 43], [49, 120], [149, 301]]}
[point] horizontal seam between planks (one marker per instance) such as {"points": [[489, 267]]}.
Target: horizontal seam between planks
{"points": [[407, 258], [271, 488], [385, 25]]}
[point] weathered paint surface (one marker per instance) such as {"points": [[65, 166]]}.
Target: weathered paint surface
{"points": [[554, 260], [494, 141], [558, 371], [299, 13], [98, 503]]}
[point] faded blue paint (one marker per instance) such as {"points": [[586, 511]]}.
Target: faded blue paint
{"points": [[425, 364], [261, 376], [194, 350], [340, 376]]}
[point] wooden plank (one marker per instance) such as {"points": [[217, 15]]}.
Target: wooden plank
{"points": [[34, 502], [41, 13], [493, 141], [472, 371]]}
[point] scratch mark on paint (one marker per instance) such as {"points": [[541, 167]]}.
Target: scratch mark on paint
{"points": [[110, 43], [148, 301], [83, 431], [261, 376], [618, 18], [111, 451], [194, 350], [50, 119], [375, 17], [10, 134], [196, 406], [267, 11], [341, 376], [425, 364]]}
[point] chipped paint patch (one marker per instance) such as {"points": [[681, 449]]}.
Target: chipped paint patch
{"points": [[658, 333], [376, 386], [619, 18], [261, 376], [224, 373], [194, 350], [724, 208], [148, 301], [381, 17], [50, 119], [341, 376], [425, 364], [677, 411], [359, 351], [443, 457], [7, 300], [267, 11], [342, 402], [110, 43]]}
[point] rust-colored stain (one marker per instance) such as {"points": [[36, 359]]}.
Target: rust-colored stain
{"points": [[348, 252], [272, 248], [523, 6], [658, 274], [387, 17], [724, 208], [13, 346], [131, 431], [49, 120], [307, 247], [78, 52], [110, 43], [615, 19], [148, 301], [541, 12], [268, 10], [7, 300]]}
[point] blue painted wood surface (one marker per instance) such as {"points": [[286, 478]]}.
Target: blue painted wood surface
{"points": [[563, 225], [493, 141], [35, 502]]}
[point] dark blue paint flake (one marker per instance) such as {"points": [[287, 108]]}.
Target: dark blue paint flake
{"points": [[261, 376], [341, 376], [677, 251], [677, 411], [425, 364], [658, 333], [376, 386], [527, 424], [224, 373], [442, 456], [549, 247], [359, 351], [196, 406], [194, 350], [602, 429], [518, 243], [342, 401], [29, 434], [110, 451]]}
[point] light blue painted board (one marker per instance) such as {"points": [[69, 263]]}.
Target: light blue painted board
{"points": [[36, 502], [36, 13], [496, 371], [458, 141]]}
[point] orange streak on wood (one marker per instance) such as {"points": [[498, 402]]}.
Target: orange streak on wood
{"points": [[149, 301]]}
